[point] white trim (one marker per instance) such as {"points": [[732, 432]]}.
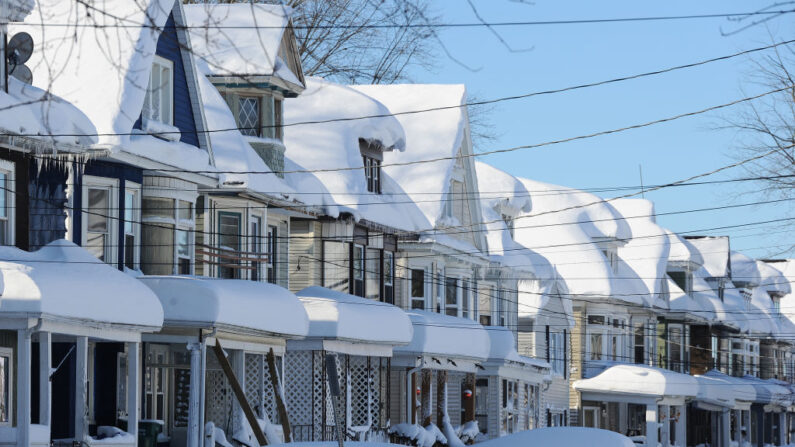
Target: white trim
{"points": [[11, 407], [112, 185], [161, 63], [9, 168], [135, 189]]}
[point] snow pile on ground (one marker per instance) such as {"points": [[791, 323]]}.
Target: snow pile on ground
{"points": [[443, 335], [341, 316], [642, 380], [229, 302], [562, 437], [422, 436], [113, 435], [312, 146], [238, 39], [52, 282], [469, 432], [429, 135]]}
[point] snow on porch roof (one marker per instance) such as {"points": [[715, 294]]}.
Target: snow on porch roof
{"points": [[340, 316], [739, 388], [64, 281], [231, 303], [443, 335], [640, 380], [716, 391], [769, 392]]}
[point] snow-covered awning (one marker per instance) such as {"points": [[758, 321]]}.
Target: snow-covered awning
{"points": [[505, 361], [769, 393], [348, 324], [635, 383], [444, 342], [231, 305], [62, 283], [742, 392], [714, 393]]}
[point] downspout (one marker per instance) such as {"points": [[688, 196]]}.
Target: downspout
{"points": [[410, 392]]}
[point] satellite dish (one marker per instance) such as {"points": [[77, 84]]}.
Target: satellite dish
{"points": [[19, 48], [23, 73]]}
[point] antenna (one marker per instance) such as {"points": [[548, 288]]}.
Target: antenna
{"points": [[18, 51], [640, 169]]}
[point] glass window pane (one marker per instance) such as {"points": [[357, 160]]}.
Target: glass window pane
{"points": [[129, 212], [155, 207], [417, 283], [5, 401], [4, 192], [165, 95], [95, 244], [389, 262], [248, 116], [185, 211], [373, 274], [183, 245], [358, 262], [451, 291], [155, 96], [98, 209], [335, 265], [596, 346]]}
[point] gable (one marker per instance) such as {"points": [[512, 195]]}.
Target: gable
{"points": [[463, 201], [170, 48], [288, 52]]}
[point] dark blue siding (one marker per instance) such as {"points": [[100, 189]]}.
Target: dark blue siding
{"points": [[47, 194], [122, 173]]}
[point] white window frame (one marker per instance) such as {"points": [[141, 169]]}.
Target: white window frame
{"points": [[557, 350], [159, 63], [8, 168], [426, 286], [187, 225], [11, 403], [682, 347], [601, 329], [135, 189], [112, 185]]}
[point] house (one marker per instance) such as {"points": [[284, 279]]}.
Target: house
{"points": [[70, 354]]}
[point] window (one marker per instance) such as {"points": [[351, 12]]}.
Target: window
{"points": [[532, 407], [372, 174], [7, 203], [681, 279], [167, 242], [155, 383], [389, 277], [372, 274], [159, 97], [510, 407], [676, 358], [100, 217], [183, 252], [451, 296], [229, 245], [440, 290], [417, 288], [336, 264], [640, 343], [358, 270], [557, 350], [248, 115], [273, 253], [255, 247], [509, 223], [132, 206], [482, 404], [268, 117], [277, 121], [596, 346], [6, 380]]}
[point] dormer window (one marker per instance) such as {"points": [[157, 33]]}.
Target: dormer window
{"points": [[509, 222], [372, 156], [248, 115], [158, 101], [612, 258], [683, 279]]}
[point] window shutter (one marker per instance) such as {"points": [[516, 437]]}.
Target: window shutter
{"points": [[546, 329], [565, 355]]}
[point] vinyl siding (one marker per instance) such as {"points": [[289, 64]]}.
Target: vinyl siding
{"points": [[305, 249]]}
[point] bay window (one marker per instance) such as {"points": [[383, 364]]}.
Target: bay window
{"points": [[167, 242], [7, 203], [229, 234], [255, 246]]}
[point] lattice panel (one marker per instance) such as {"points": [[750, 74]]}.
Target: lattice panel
{"points": [[253, 380], [361, 391], [270, 398], [318, 399], [218, 399], [341, 361], [298, 372]]}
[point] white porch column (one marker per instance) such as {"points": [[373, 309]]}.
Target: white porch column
{"points": [[81, 392], [133, 391], [681, 426], [23, 387], [738, 417], [782, 428], [195, 429], [725, 428], [622, 417], [651, 425], [45, 386], [202, 391], [665, 428]]}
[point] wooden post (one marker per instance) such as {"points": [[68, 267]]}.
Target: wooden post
{"points": [[81, 391], [133, 393], [23, 386], [45, 386], [277, 394], [468, 398], [239, 394], [413, 397], [425, 397], [441, 397]]}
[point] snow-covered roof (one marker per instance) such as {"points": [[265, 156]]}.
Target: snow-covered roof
{"points": [[503, 348], [561, 436], [233, 153], [63, 281], [773, 280], [429, 135], [769, 392], [714, 252], [239, 39], [646, 253], [744, 269], [335, 146], [787, 268], [739, 389], [445, 336], [640, 380], [682, 302], [735, 308], [340, 316], [564, 226], [715, 391], [682, 251], [231, 304]]}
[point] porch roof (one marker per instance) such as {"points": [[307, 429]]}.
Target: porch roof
{"points": [[769, 392], [446, 336], [505, 361], [341, 316], [718, 391], [640, 380], [63, 281], [230, 303], [740, 389]]}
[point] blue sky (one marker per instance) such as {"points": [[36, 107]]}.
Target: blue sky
{"points": [[565, 55]]}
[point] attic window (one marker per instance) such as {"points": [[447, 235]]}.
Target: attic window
{"points": [[158, 102], [372, 156], [509, 222], [248, 115], [682, 279]]}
